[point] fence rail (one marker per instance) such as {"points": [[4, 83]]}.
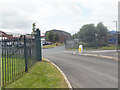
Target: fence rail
{"points": [[18, 55]]}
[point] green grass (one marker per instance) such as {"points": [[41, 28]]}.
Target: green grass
{"points": [[119, 46], [89, 48], [12, 68], [107, 48], [41, 75], [100, 48], [52, 45], [110, 47]]}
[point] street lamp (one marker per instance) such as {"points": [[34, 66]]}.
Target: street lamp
{"points": [[96, 40], [116, 36]]}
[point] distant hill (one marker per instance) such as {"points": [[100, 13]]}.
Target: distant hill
{"points": [[63, 35]]}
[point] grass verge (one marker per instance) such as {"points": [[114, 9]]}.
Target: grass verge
{"points": [[41, 75], [107, 48], [51, 46], [111, 47]]}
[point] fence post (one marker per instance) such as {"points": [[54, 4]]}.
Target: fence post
{"points": [[30, 51], [38, 45], [25, 54]]}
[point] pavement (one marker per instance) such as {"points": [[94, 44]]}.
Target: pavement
{"points": [[84, 71], [111, 53]]}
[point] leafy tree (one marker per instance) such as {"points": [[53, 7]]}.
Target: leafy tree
{"points": [[87, 33], [33, 26], [52, 36], [56, 37], [76, 36], [102, 33], [49, 36]]}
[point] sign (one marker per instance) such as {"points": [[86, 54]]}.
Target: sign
{"points": [[80, 48]]}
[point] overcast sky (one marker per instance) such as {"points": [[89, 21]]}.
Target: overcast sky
{"points": [[69, 15]]}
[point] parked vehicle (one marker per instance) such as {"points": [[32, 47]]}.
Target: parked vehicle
{"points": [[47, 43], [6, 44]]}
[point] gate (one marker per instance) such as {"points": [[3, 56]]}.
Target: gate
{"points": [[18, 55], [72, 44]]}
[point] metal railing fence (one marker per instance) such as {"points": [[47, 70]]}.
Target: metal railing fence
{"points": [[18, 55]]}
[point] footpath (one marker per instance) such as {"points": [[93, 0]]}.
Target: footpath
{"points": [[109, 54]]}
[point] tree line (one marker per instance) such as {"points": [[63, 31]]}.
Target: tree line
{"points": [[90, 34]]}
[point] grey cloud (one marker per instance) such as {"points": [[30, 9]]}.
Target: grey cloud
{"points": [[13, 20], [20, 14]]}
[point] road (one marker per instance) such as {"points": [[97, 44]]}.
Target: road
{"points": [[83, 71]]}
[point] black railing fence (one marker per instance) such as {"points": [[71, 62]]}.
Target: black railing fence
{"points": [[18, 55]]}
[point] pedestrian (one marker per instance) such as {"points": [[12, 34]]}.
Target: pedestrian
{"points": [[56, 44]]}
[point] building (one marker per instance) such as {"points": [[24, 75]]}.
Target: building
{"points": [[3, 34], [112, 37], [63, 36], [42, 38]]}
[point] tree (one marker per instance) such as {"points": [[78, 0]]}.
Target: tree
{"points": [[87, 33], [56, 37], [33, 27], [49, 36], [102, 33], [75, 36], [52, 36]]}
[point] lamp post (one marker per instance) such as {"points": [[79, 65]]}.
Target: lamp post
{"points": [[96, 41], [116, 37]]}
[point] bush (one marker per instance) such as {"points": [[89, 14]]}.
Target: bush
{"points": [[102, 43], [85, 44]]}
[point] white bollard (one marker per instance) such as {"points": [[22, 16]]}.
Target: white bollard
{"points": [[80, 48]]}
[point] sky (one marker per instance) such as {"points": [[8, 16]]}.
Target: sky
{"points": [[17, 16]]}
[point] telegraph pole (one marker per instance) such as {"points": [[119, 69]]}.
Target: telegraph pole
{"points": [[116, 35]]}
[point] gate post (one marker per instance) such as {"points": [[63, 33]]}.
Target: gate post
{"points": [[25, 54], [38, 45]]}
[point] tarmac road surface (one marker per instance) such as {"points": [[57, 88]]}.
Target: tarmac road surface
{"points": [[84, 71]]}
